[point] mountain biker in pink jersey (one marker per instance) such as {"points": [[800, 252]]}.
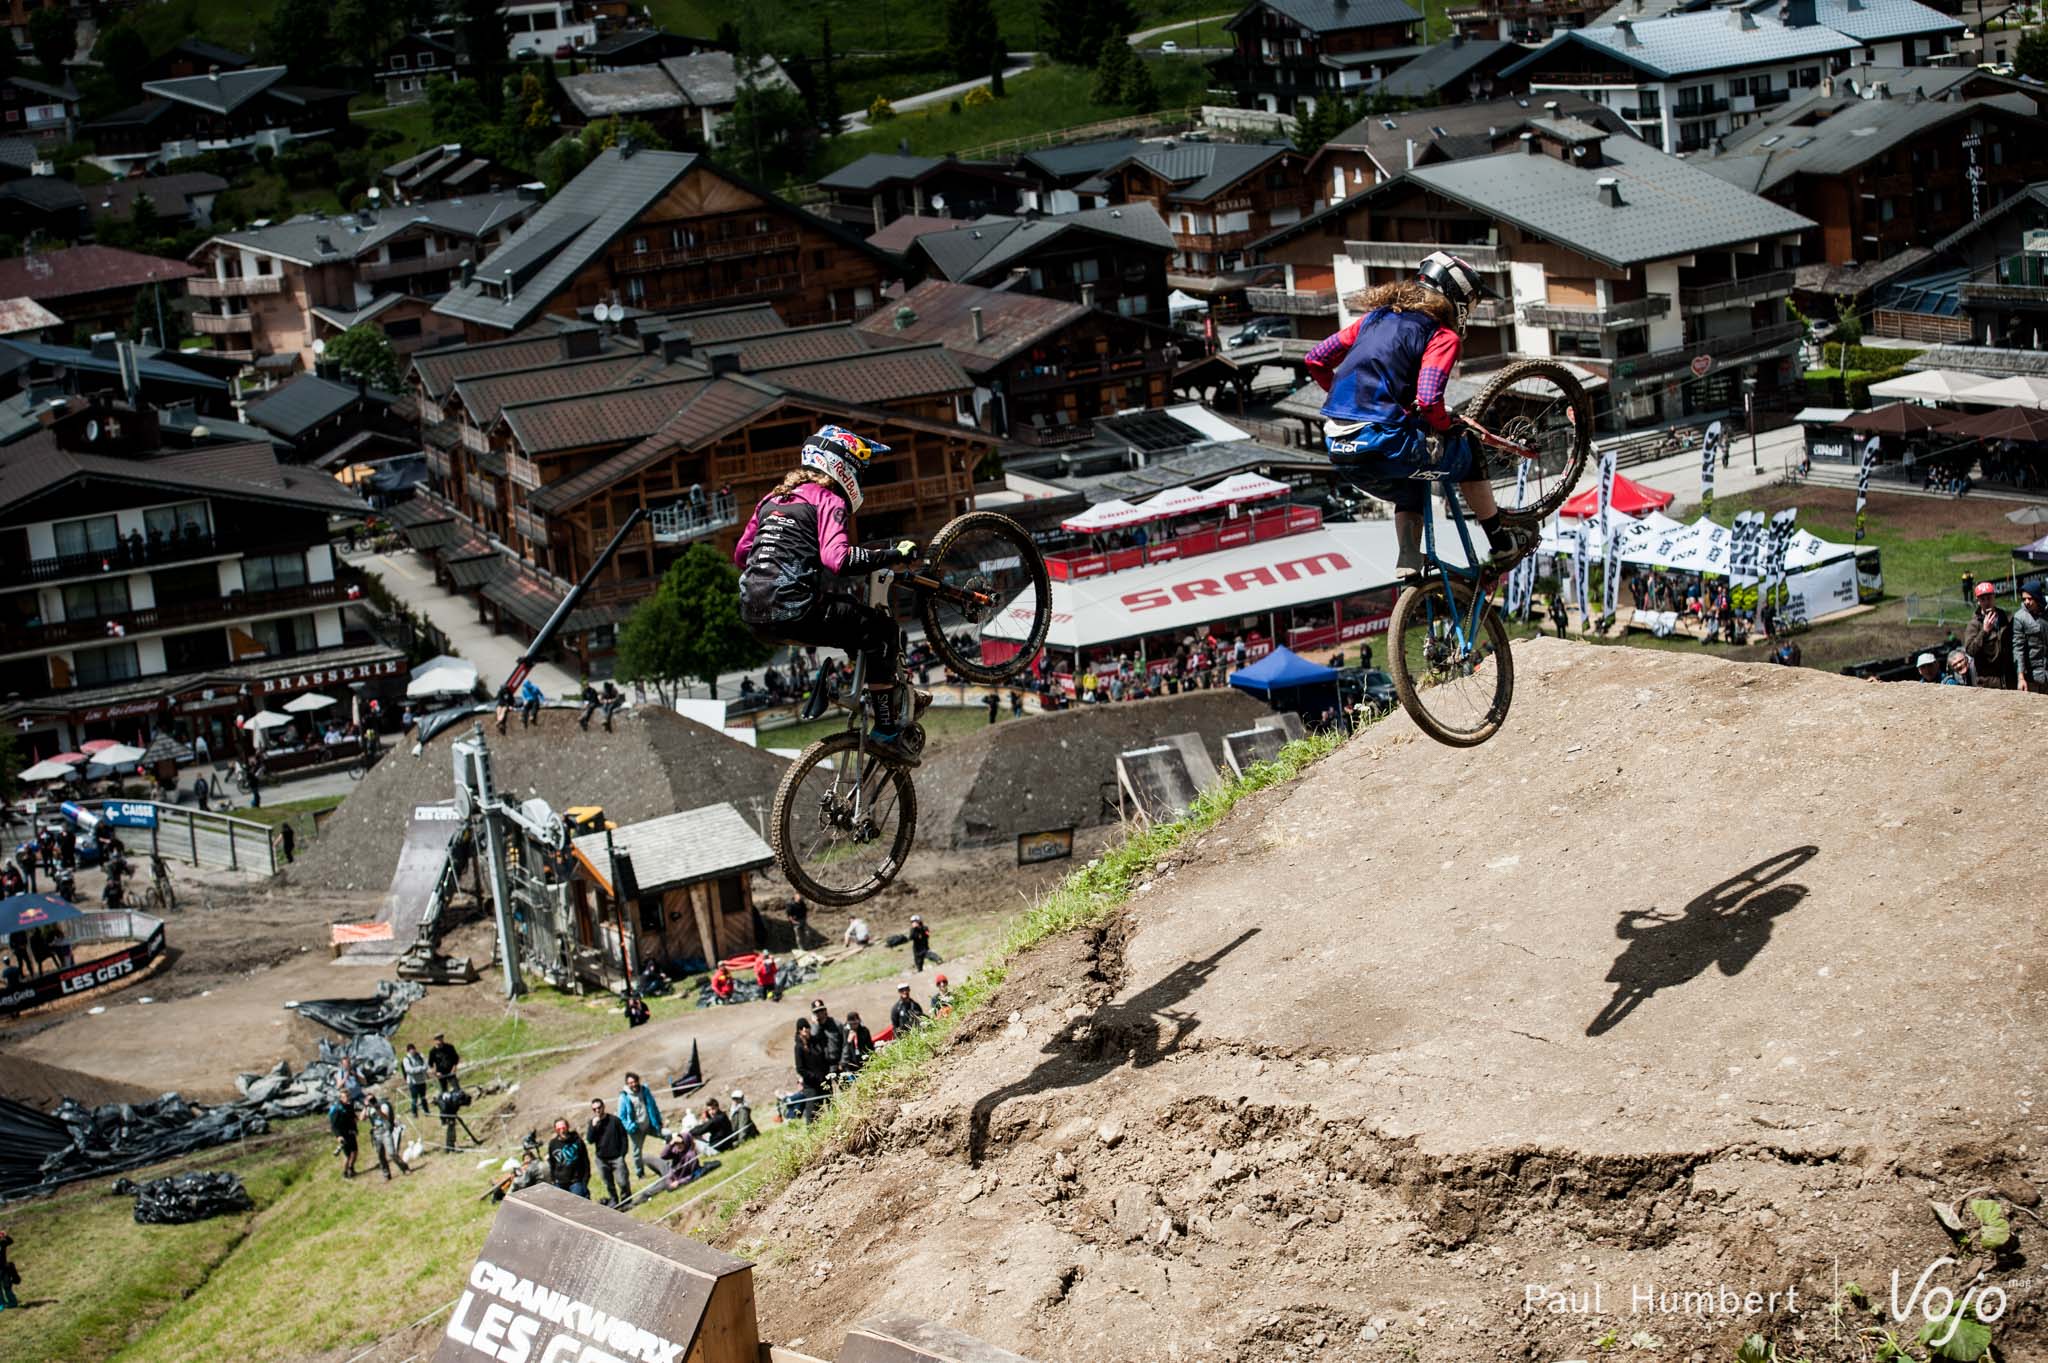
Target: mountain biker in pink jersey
{"points": [[798, 534], [1384, 421]]}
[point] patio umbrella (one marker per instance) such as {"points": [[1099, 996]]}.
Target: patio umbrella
{"points": [[69, 758], [308, 703], [96, 744], [2029, 515], [2028, 425], [19, 913], [117, 755], [163, 746], [2021, 390], [1932, 385], [1900, 418], [268, 719], [451, 677], [47, 771]]}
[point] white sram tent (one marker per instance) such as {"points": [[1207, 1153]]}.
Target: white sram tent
{"points": [[1931, 385], [2021, 390], [1245, 487], [1102, 516]]}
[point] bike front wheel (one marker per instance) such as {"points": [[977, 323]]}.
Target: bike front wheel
{"points": [[836, 842], [984, 579], [1453, 676], [162, 900], [1542, 405]]}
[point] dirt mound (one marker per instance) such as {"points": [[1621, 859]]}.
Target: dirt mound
{"points": [[42, 1087], [1049, 771], [656, 762], [1700, 976]]}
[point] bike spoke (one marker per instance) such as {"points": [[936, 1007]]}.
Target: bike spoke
{"points": [[979, 575], [844, 835]]}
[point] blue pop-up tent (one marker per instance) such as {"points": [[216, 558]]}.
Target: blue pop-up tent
{"points": [[1287, 681]]}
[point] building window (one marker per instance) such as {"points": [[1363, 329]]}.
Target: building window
{"points": [[1885, 210], [1130, 305], [186, 520], [636, 291], [1087, 271], [100, 666], [398, 62], [820, 259], [760, 226], [1575, 343], [283, 638], [268, 572], [92, 535], [639, 246], [101, 596]]}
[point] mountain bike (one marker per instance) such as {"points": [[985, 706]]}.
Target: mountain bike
{"points": [[846, 811], [1453, 672], [162, 896]]}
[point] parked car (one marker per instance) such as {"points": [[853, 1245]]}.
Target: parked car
{"points": [[1261, 329], [1169, 47]]}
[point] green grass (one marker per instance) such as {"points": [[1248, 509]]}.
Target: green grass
{"points": [[887, 26], [412, 122], [1086, 898], [1206, 31], [1040, 100], [236, 24], [299, 812], [1919, 567]]}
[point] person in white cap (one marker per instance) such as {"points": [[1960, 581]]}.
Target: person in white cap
{"points": [[1929, 666], [920, 944], [742, 1118], [908, 1014]]}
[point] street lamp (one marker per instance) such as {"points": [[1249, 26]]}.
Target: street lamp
{"points": [[1749, 406]]}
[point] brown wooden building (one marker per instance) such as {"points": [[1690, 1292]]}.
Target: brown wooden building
{"points": [[1288, 54], [1217, 199], [1043, 370], [1881, 176], [660, 231], [546, 444], [674, 890]]}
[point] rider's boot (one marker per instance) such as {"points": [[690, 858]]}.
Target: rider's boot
{"points": [[889, 709], [1509, 545]]}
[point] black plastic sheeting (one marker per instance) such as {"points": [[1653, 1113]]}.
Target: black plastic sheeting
{"points": [[184, 1198], [363, 1017], [39, 1151]]}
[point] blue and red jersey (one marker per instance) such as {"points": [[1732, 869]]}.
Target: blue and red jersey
{"points": [[1386, 368]]}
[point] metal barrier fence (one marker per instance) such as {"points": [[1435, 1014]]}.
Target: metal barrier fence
{"points": [[117, 925], [1939, 610], [201, 839]]}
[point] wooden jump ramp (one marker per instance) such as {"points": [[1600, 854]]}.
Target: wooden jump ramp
{"points": [[563, 1279]]}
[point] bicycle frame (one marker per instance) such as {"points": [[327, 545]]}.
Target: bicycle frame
{"points": [[1467, 627]]}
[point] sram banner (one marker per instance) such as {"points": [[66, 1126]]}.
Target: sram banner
{"points": [[562, 1280]]}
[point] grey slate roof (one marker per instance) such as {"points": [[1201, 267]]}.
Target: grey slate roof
{"points": [[1440, 65], [1694, 44], [710, 80], [988, 245], [576, 224], [170, 195], [353, 235], [675, 849], [1201, 170], [1876, 20], [1080, 158], [1330, 16], [1669, 207], [301, 404], [44, 193], [1386, 135], [878, 168], [221, 93], [1855, 132], [19, 153], [628, 90]]}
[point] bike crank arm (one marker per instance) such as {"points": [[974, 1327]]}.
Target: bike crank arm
{"points": [[958, 596]]}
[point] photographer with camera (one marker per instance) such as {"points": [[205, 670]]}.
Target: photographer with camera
{"points": [[451, 1102]]}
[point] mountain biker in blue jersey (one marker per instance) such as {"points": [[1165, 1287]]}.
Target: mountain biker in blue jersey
{"points": [[1384, 420], [798, 534]]}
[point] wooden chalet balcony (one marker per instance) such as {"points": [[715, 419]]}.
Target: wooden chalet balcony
{"points": [[1613, 316], [530, 524], [1403, 255], [235, 286], [118, 558], [222, 324], [426, 264], [474, 439], [438, 461], [19, 638], [480, 490], [1213, 243], [1736, 292], [1719, 347], [763, 244], [1094, 369], [522, 471], [1292, 302], [680, 522]]}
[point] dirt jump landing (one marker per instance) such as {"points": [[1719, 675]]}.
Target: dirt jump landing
{"points": [[1698, 975]]}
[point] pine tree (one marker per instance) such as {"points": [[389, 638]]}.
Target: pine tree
{"points": [[1112, 73], [828, 81], [972, 35], [1139, 90], [1066, 29]]}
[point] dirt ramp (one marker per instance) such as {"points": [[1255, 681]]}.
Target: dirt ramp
{"points": [[656, 762], [42, 1086], [1700, 975], [1054, 770]]}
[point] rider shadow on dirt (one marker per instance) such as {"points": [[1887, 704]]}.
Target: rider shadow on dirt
{"points": [[1724, 928], [1089, 1047]]}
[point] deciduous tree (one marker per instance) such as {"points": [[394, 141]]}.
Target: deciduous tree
{"points": [[690, 628], [53, 37], [364, 352]]}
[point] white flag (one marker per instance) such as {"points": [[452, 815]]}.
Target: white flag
{"points": [[1610, 568]]}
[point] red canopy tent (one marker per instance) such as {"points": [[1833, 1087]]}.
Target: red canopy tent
{"points": [[1630, 498]]}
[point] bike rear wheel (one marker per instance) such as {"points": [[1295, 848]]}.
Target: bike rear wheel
{"points": [[162, 900], [989, 573], [1540, 404], [1457, 693], [829, 854]]}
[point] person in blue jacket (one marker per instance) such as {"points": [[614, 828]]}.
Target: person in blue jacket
{"points": [[530, 697], [640, 1116]]}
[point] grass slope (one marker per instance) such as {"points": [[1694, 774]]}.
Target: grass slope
{"points": [[859, 26], [1041, 100]]}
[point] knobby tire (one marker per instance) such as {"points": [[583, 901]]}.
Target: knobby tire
{"points": [[1410, 615], [785, 816], [935, 633]]}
